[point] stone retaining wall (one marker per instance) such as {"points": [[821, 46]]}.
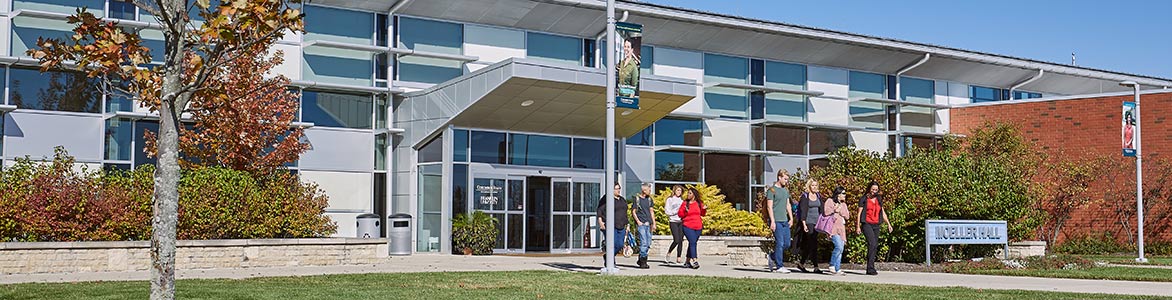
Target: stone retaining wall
{"points": [[67, 257], [730, 250]]}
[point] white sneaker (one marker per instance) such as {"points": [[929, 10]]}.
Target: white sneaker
{"points": [[840, 273], [782, 270]]}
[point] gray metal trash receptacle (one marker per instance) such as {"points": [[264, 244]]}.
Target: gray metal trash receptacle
{"points": [[368, 226], [399, 234]]}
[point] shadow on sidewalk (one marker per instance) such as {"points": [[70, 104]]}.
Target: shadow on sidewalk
{"points": [[580, 268]]}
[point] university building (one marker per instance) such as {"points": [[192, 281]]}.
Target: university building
{"points": [[435, 107]]}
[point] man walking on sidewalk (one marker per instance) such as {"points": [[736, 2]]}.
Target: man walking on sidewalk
{"points": [[620, 221], [645, 219]]}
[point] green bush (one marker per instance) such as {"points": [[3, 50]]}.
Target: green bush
{"points": [[1092, 244], [1158, 248], [55, 201], [476, 232]]}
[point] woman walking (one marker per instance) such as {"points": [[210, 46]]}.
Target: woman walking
{"points": [[692, 213], [781, 218], [811, 208], [671, 207], [837, 208], [871, 212]]}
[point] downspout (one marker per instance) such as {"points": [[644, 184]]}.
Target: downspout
{"points": [[899, 95], [1023, 83]]}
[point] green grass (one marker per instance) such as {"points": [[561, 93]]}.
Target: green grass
{"points": [[1130, 260], [1104, 273], [516, 285]]}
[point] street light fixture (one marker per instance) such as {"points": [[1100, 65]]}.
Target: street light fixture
{"points": [[1139, 175]]}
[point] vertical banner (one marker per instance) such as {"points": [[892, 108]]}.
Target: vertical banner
{"points": [[629, 43], [1129, 128]]}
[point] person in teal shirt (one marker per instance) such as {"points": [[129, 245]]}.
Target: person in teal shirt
{"points": [[781, 218]]}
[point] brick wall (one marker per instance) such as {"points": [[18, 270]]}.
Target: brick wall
{"points": [[1084, 128], [68, 257]]}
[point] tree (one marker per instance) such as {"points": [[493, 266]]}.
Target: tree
{"points": [[195, 53], [1067, 190]]}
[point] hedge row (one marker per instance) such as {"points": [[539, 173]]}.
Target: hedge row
{"points": [[58, 201]]}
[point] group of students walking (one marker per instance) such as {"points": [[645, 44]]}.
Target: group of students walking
{"points": [[802, 221]]}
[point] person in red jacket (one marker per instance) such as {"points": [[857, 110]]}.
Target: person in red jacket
{"points": [[692, 212]]}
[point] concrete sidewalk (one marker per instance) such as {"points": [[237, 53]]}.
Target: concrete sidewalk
{"points": [[591, 263]]}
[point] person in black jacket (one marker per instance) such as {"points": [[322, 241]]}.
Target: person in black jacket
{"points": [[810, 206], [871, 212], [620, 219]]}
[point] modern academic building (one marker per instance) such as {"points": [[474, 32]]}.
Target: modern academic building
{"points": [[436, 108]]}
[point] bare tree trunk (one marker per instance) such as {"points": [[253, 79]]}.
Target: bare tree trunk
{"points": [[166, 198]]}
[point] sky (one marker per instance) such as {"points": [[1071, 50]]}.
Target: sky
{"points": [[1102, 34]]}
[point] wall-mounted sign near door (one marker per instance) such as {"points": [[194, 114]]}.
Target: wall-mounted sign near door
{"points": [[489, 195]]}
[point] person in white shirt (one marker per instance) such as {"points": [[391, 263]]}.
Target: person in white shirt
{"points": [[671, 207]]}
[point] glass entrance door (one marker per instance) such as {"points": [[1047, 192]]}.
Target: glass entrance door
{"points": [[503, 198], [538, 213]]}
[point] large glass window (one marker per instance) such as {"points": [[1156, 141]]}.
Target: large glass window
{"points": [[646, 59], [489, 147], [459, 145], [459, 189], [984, 94], [61, 6], [380, 152], [119, 134], [729, 172], [786, 139], [678, 132], [642, 138], [327, 109], [539, 150], [726, 102], [123, 9], [140, 130], [380, 112], [785, 107], [433, 151], [914, 118], [588, 153], [56, 91], [1026, 95], [677, 166], [868, 114], [339, 25], [824, 141], [25, 31], [430, 36], [430, 208], [553, 48], [333, 65]]}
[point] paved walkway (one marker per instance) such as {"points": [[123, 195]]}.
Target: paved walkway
{"points": [[448, 263]]}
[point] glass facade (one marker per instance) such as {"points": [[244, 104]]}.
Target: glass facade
{"points": [[554, 48], [334, 65], [678, 132], [53, 91], [588, 154], [871, 115], [725, 102], [677, 166], [913, 118], [729, 172], [489, 147], [430, 36], [538, 150], [329, 109], [785, 107], [430, 204], [119, 135]]}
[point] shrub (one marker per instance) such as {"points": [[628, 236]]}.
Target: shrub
{"points": [[1092, 244], [476, 232], [1043, 263], [722, 218], [57, 201]]}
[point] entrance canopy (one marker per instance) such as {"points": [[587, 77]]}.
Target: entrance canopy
{"points": [[527, 95]]}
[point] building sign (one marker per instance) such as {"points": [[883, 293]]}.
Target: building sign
{"points": [[1129, 128], [952, 232], [629, 44], [489, 194]]}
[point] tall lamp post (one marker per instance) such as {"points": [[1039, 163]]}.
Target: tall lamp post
{"points": [[1139, 175], [610, 269]]}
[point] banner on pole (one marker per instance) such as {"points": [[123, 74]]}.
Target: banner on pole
{"points": [[629, 43], [1129, 128]]}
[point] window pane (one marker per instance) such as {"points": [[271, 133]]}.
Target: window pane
{"points": [[589, 50], [430, 36], [339, 66], [867, 85], [678, 132], [677, 166], [538, 150], [516, 195], [430, 197], [122, 9], [380, 29], [561, 232], [55, 91], [983, 94], [460, 145], [338, 25], [516, 231], [917, 119], [25, 31], [561, 197], [726, 102], [553, 48], [119, 134], [581, 237], [586, 197], [140, 130], [757, 171], [380, 152], [325, 109], [788, 140], [61, 6], [642, 138], [785, 107], [489, 147], [824, 141], [588, 153], [729, 172], [432, 151], [646, 59], [488, 194], [380, 112]]}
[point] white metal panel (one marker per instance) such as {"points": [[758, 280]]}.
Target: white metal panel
{"points": [[5, 31], [958, 93], [639, 163], [727, 134], [291, 66], [338, 150], [682, 64], [36, 134], [942, 115], [873, 141], [493, 44], [347, 191], [835, 86]]}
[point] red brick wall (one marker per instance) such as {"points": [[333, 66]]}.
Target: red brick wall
{"points": [[1088, 127]]}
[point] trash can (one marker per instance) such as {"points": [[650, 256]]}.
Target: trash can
{"points": [[368, 226], [399, 234]]}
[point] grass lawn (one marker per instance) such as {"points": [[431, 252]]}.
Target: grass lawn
{"points": [[1130, 260], [1108, 273], [515, 285]]}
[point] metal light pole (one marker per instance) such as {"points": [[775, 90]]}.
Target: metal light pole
{"points": [[1139, 176], [610, 155]]}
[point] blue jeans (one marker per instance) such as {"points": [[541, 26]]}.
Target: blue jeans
{"points": [[693, 236], [644, 240], [836, 255], [619, 234], [781, 240]]}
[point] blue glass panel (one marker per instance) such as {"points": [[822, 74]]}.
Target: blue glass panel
{"points": [[917, 90], [433, 151], [539, 150], [553, 48], [339, 25], [55, 91], [140, 130], [677, 166], [984, 94], [726, 102], [678, 132], [337, 110], [122, 10], [460, 145], [460, 189], [430, 36], [119, 134], [489, 147], [868, 114], [642, 138], [646, 59], [588, 153]]}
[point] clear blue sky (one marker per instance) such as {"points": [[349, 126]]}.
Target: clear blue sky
{"points": [[1103, 34]]}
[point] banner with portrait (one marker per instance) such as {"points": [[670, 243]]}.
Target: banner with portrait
{"points": [[627, 47], [1129, 129]]}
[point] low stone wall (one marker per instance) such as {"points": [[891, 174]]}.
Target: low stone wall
{"points": [[67, 257], [730, 250], [1024, 249]]}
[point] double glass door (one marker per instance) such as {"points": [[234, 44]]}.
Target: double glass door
{"points": [[539, 213]]}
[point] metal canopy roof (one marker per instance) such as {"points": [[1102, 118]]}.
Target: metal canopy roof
{"points": [[673, 27]]}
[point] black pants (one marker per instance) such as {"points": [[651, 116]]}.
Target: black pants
{"points": [[809, 246], [677, 238], [871, 232]]}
